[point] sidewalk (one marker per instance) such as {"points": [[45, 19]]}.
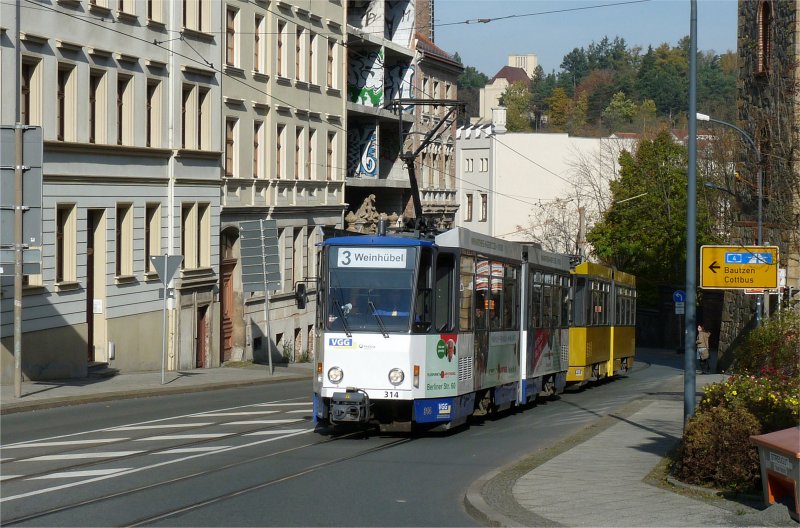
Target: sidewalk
{"points": [[58, 393], [600, 481]]}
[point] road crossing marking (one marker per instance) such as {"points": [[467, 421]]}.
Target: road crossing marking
{"points": [[240, 413], [7, 477], [181, 450], [274, 432], [300, 411], [73, 456], [85, 473], [182, 437], [159, 426], [265, 422], [51, 489], [279, 404], [65, 443]]}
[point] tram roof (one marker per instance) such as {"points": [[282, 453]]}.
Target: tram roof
{"points": [[367, 240]]}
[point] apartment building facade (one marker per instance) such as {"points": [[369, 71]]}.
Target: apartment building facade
{"points": [[132, 155], [284, 124]]}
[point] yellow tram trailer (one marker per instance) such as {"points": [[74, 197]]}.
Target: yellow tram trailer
{"points": [[590, 332], [623, 329]]}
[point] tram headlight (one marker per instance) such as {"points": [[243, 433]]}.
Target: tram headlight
{"points": [[396, 376], [335, 374]]}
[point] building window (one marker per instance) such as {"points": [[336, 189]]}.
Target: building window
{"points": [[484, 164], [230, 148], [152, 234], [204, 235], [331, 63], [468, 209], [196, 235], [258, 53], [280, 140], [468, 167], [298, 152], [312, 70], [484, 207], [298, 57], [97, 105], [258, 144], [65, 103], [230, 37], [124, 110], [66, 243], [330, 161], [124, 240], [279, 49], [194, 14], [764, 43], [153, 114], [154, 8], [195, 116], [311, 166]]}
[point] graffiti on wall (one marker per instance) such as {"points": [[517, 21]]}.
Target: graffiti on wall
{"points": [[365, 15], [399, 17], [365, 78], [362, 152], [399, 83]]}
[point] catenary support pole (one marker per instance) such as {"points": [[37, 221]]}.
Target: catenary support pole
{"points": [[689, 378]]}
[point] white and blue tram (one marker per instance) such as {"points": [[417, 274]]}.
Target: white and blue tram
{"points": [[429, 331]]}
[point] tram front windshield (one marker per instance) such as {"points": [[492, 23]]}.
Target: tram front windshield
{"points": [[370, 289]]}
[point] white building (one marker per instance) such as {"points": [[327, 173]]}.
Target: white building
{"points": [[520, 68], [506, 180]]}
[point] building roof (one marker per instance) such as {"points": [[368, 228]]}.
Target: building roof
{"points": [[426, 46], [512, 74]]}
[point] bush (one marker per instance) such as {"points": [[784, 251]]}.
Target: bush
{"points": [[771, 396], [774, 346], [716, 449]]}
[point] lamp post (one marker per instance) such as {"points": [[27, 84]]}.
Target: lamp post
{"points": [[751, 143]]}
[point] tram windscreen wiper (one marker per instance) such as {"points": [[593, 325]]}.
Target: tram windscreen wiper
{"points": [[343, 312], [378, 317]]}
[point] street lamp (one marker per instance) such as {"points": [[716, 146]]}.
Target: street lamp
{"points": [[751, 143]]}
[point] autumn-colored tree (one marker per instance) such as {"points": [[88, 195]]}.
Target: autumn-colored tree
{"points": [[559, 104]]}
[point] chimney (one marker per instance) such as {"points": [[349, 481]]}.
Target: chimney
{"points": [[499, 120]]}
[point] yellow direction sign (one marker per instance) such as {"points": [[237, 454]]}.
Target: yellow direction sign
{"points": [[738, 267]]}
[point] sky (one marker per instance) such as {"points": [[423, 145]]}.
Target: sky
{"points": [[553, 35]]}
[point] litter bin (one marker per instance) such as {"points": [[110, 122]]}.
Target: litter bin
{"points": [[779, 455]]}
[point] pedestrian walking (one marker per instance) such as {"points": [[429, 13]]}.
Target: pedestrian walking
{"points": [[702, 349]]}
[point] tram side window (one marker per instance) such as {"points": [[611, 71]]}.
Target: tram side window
{"points": [[510, 299], [423, 309], [565, 301], [557, 302], [445, 265], [579, 303], [547, 303], [465, 310], [536, 304], [496, 297]]}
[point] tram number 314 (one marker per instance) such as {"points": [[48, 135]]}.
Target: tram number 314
{"points": [[391, 394]]}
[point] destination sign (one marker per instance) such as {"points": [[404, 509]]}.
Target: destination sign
{"points": [[362, 257], [738, 267]]}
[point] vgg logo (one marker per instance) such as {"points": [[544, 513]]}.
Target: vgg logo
{"points": [[340, 341]]}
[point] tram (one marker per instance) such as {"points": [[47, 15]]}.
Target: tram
{"points": [[425, 331], [602, 331]]}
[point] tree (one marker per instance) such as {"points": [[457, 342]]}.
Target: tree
{"points": [[644, 230], [517, 100], [469, 84], [619, 112], [559, 104]]}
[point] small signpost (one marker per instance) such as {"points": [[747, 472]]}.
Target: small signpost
{"points": [[166, 266], [261, 265]]}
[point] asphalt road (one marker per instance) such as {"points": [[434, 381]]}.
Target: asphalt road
{"points": [[250, 457]]}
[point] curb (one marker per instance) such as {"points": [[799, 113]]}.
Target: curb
{"points": [[51, 403]]}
